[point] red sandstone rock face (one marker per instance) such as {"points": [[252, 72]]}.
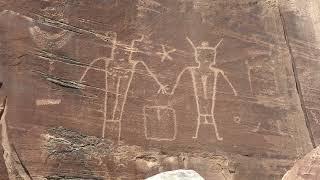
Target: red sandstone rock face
{"points": [[125, 89]]}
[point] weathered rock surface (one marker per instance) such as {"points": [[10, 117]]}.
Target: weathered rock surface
{"points": [[126, 89]]}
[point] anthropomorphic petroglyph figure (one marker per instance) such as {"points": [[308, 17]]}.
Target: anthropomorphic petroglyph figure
{"points": [[119, 71], [204, 78]]}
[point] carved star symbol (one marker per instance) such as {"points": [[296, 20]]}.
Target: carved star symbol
{"points": [[165, 54]]}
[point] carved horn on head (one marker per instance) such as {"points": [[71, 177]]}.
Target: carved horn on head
{"points": [[218, 44], [191, 43]]}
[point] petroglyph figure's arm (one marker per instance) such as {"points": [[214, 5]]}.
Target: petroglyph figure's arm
{"points": [[191, 43], [163, 88], [230, 84], [90, 66], [216, 47], [178, 80], [215, 54]]}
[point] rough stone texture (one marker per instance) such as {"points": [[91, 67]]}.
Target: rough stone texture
{"points": [[125, 89]]}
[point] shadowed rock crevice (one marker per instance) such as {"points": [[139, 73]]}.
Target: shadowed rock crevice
{"points": [[296, 77]]}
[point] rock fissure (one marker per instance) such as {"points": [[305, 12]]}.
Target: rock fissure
{"points": [[296, 78]]}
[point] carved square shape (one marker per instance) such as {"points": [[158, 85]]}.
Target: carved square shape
{"points": [[160, 123]]}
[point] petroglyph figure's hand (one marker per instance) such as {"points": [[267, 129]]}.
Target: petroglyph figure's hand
{"points": [[163, 89]]}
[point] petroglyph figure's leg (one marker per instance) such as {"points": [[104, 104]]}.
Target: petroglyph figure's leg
{"points": [[214, 90], [117, 88], [105, 105], [216, 129], [198, 126], [124, 101], [117, 94]]}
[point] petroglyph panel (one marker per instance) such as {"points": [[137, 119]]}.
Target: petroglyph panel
{"points": [[176, 76]]}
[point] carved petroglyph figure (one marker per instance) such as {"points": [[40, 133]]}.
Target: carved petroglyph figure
{"points": [[165, 54], [119, 70], [160, 123], [204, 79]]}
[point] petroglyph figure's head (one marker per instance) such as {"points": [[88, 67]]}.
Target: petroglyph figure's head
{"points": [[205, 55]]}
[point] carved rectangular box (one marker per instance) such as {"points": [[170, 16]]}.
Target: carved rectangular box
{"points": [[160, 123]]}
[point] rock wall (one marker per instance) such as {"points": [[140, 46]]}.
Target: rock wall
{"points": [[125, 89]]}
